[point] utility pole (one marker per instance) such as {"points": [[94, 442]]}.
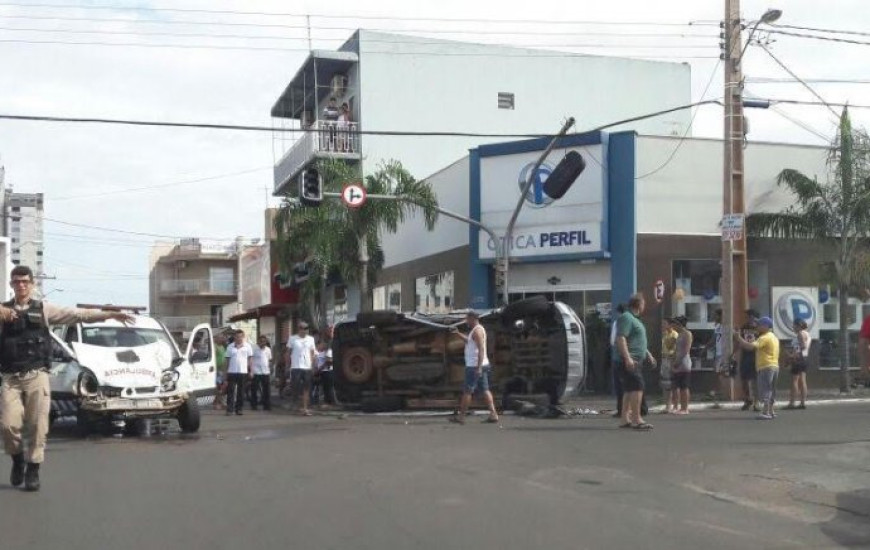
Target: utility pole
{"points": [[734, 258]]}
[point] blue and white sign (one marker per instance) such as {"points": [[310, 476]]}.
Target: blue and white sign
{"points": [[536, 197], [571, 226], [792, 304]]}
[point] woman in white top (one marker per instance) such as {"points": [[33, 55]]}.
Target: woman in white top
{"points": [[261, 369], [800, 354]]}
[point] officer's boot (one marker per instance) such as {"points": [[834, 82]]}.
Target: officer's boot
{"points": [[16, 478], [31, 477]]}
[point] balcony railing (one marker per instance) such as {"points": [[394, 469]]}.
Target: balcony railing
{"points": [[187, 323], [324, 138], [198, 287]]}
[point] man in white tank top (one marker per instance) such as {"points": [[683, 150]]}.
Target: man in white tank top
{"points": [[477, 369]]}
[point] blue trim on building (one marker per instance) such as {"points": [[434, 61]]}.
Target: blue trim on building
{"points": [[539, 144], [618, 230], [479, 285], [622, 215], [598, 255]]}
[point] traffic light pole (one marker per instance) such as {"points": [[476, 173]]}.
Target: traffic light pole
{"points": [[443, 211], [509, 232]]}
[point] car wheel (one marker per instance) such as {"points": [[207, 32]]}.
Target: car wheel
{"points": [[357, 366], [188, 416]]}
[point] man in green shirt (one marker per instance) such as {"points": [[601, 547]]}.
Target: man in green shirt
{"points": [[631, 351]]}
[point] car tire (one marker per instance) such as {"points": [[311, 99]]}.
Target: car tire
{"points": [[357, 365], [377, 318], [537, 305], [188, 416]]}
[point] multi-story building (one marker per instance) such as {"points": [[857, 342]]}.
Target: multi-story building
{"points": [[191, 281], [392, 82], [22, 225], [466, 95]]}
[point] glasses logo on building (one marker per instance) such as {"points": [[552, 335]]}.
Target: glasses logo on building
{"points": [[794, 306], [536, 196]]}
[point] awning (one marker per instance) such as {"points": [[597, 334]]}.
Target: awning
{"points": [[269, 310], [299, 96]]}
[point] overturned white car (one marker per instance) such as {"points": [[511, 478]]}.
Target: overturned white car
{"points": [[109, 373]]}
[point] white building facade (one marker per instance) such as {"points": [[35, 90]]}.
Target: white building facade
{"points": [[401, 83], [637, 215]]}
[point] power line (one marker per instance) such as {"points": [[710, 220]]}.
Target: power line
{"points": [[769, 80], [333, 16], [688, 128], [796, 77], [158, 186], [791, 119], [414, 41], [540, 54], [814, 29], [237, 127], [817, 37]]}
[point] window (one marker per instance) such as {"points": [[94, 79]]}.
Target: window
{"points": [[16, 209], [506, 100], [221, 279], [434, 293], [388, 297]]}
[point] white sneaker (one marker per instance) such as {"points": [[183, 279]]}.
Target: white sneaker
{"points": [[764, 416]]}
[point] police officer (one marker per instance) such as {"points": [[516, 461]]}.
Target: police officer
{"points": [[25, 357]]}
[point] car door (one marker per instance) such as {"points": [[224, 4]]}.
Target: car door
{"points": [[63, 378], [201, 356]]}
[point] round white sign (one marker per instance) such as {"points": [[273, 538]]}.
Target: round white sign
{"points": [[353, 196]]}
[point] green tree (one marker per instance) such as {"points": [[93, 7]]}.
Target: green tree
{"points": [[836, 212], [347, 242]]}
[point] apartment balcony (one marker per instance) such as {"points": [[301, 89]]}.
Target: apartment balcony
{"points": [[197, 287], [323, 139], [187, 323]]}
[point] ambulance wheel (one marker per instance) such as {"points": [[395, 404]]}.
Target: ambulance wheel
{"points": [[188, 416]]}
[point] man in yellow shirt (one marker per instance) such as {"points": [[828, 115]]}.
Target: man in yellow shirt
{"points": [[766, 348]]}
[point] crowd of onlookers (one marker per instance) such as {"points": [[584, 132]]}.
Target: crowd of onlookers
{"points": [[755, 362], [335, 126], [302, 374]]}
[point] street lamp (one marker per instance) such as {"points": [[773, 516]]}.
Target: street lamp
{"points": [[734, 253]]}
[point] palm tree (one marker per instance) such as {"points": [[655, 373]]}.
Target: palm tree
{"points": [[347, 241], [836, 212]]}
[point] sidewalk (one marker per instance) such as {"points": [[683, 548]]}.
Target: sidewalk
{"points": [[704, 402]]}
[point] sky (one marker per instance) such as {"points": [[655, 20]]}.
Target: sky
{"points": [[215, 184]]}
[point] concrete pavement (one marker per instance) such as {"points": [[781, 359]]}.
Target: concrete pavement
{"points": [[710, 480]]}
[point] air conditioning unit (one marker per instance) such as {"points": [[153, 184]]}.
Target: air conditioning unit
{"points": [[339, 85]]}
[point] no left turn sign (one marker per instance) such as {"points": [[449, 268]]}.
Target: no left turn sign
{"points": [[353, 196]]}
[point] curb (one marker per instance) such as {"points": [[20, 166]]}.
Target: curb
{"points": [[737, 406]]}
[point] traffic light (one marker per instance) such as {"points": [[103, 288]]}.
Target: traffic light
{"points": [[310, 187], [564, 174]]}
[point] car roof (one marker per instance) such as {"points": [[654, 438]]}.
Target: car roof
{"points": [[141, 321]]}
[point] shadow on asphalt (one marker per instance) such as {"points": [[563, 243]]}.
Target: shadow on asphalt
{"points": [[851, 526]]}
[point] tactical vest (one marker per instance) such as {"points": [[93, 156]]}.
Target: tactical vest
{"points": [[25, 343]]}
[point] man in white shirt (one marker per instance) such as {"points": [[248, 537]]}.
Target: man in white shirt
{"points": [[262, 375], [239, 359], [301, 353]]}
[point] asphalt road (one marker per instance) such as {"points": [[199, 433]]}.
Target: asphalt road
{"points": [[710, 480]]}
